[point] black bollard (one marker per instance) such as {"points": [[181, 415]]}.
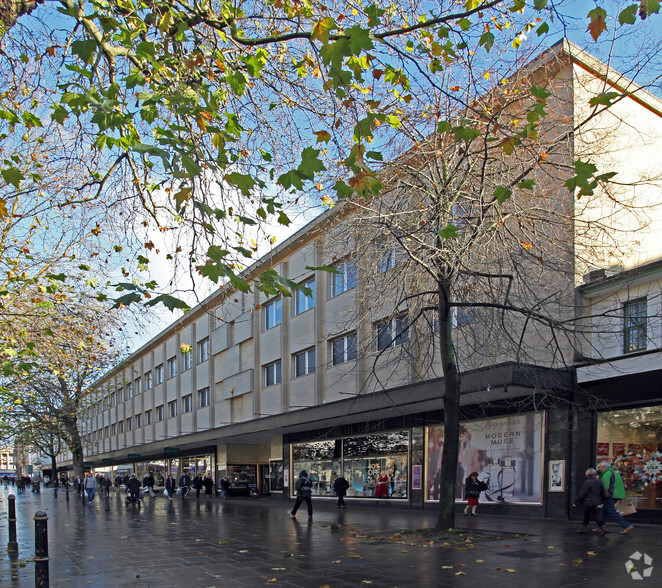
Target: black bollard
{"points": [[106, 499], [41, 579], [12, 546]]}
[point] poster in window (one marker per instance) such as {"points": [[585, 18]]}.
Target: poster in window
{"points": [[506, 452], [618, 449], [602, 450], [557, 475]]}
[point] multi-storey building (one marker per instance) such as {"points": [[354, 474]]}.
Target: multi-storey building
{"points": [[341, 378]]}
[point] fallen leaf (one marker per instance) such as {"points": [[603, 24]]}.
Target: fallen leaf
{"points": [[550, 547], [480, 560], [506, 545], [278, 569], [272, 581], [243, 551], [336, 561], [446, 567], [497, 568], [198, 540], [511, 570], [577, 560], [222, 542], [591, 553], [404, 551], [366, 582], [460, 574]]}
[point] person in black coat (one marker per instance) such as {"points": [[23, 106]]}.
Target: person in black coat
{"points": [[592, 494], [208, 483], [340, 486], [303, 487], [472, 489], [170, 486], [197, 484]]}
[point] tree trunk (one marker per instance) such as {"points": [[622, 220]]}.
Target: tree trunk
{"points": [[11, 10], [446, 514]]}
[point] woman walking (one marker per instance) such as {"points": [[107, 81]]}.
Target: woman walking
{"points": [[592, 494], [472, 489]]}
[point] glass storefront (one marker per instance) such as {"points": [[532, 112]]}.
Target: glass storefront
{"points": [[276, 475], [632, 439], [242, 478], [506, 452], [374, 465]]}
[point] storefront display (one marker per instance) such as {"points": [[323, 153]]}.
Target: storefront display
{"points": [[374, 465], [276, 477], [242, 478], [507, 453], [632, 439]]}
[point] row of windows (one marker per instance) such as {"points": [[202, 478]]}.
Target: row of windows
{"points": [[204, 399]]}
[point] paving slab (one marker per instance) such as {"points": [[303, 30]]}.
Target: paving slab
{"points": [[254, 542]]}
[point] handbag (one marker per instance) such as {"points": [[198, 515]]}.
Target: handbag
{"points": [[625, 507]]}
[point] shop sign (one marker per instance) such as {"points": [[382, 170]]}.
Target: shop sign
{"points": [[416, 477], [134, 456], [170, 450]]}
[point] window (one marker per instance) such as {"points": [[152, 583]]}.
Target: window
{"points": [[172, 409], [343, 349], [345, 278], [148, 380], [106, 432], [139, 421], [129, 424], [159, 413], [138, 384], [120, 426], [272, 374], [272, 314], [172, 367], [187, 361], [388, 256], [113, 430], [634, 325], [392, 332], [113, 399], [148, 417], [303, 302], [204, 397], [129, 390], [159, 374], [120, 395], [304, 363], [203, 350], [188, 403]]}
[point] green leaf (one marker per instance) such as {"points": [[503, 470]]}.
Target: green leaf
{"points": [[501, 193], [30, 120], [539, 92], [84, 49], [359, 40], [444, 127], [170, 302], [648, 7], [526, 184], [283, 219], [127, 299], [539, 4], [487, 39], [466, 134], [12, 175], [542, 29], [244, 182], [310, 163], [145, 50], [605, 98], [449, 232]]}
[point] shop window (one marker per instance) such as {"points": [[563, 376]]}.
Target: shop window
{"points": [[172, 367], [344, 278], [158, 373], [392, 332], [203, 350], [148, 380], [632, 440], [172, 409], [160, 413], [188, 403], [304, 363], [203, 395], [272, 313], [343, 348], [272, 374], [634, 325], [303, 301]]}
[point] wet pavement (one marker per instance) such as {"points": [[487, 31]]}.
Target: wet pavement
{"points": [[254, 542]]}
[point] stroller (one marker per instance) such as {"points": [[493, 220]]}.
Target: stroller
{"points": [[133, 498]]}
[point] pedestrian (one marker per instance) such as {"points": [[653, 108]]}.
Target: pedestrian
{"points": [[148, 483], [117, 483], [225, 487], [197, 484], [303, 487], [170, 486], [592, 494], [472, 489], [340, 486], [614, 484], [184, 484], [208, 483], [90, 487], [133, 489]]}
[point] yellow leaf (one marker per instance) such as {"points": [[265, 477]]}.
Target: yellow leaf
{"points": [[486, 75], [3, 208], [480, 560], [511, 570], [460, 574]]}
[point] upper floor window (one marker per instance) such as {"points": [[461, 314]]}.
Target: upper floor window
{"points": [[129, 390], [634, 325], [148, 380], [304, 363], [203, 395], [344, 278], [343, 348], [138, 384], [172, 409], [392, 332], [172, 367], [129, 423], [303, 302], [148, 417], [158, 372], [272, 313], [120, 395], [113, 399], [188, 402], [203, 350], [139, 421], [187, 361], [388, 256], [120, 426], [159, 413], [113, 430], [272, 373]]}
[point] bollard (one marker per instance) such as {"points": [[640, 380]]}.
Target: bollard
{"points": [[41, 579], [12, 546], [106, 499]]}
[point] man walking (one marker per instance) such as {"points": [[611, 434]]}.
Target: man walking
{"points": [[340, 486], [90, 487], [148, 483], [184, 484], [614, 484], [303, 488]]}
